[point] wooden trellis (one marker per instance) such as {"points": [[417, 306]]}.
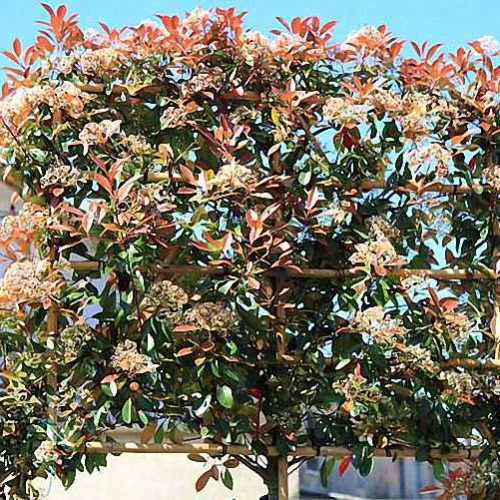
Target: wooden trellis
{"points": [[281, 462]]}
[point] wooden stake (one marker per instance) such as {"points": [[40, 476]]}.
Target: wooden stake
{"points": [[52, 327], [282, 478], [495, 322]]}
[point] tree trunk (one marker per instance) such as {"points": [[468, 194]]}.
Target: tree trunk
{"points": [[277, 478]]}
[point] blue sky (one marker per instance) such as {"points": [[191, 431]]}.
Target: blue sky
{"points": [[452, 22]]}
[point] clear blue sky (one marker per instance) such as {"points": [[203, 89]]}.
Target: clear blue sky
{"points": [[453, 22]]}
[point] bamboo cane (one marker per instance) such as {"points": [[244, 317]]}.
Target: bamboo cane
{"points": [[438, 274], [371, 185], [454, 454]]}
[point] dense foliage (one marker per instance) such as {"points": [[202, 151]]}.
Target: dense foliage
{"points": [[160, 149]]}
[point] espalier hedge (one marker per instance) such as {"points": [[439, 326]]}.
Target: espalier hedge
{"points": [[282, 242]]}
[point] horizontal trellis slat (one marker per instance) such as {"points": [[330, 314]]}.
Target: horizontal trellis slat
{"points": [[217, 449], [438, 274]]}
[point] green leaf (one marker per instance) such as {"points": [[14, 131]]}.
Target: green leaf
{"points": [[127, 411], [342, 363], [225, 396], [110, 389], [366, 466], [438, 469], [202, 405], [326, 470], [227, 480]]}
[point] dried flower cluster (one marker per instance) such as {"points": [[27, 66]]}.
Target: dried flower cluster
{"points": [[380, 327], [458, 385], [410, 358], [168, 299], [129, 360], [231, 177], [61, 175], [71, 340], [213, 317], [29, 282], [98, 133], [358, 389]]}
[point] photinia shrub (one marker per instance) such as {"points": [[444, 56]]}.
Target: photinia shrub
{"points": [[277, 241]]}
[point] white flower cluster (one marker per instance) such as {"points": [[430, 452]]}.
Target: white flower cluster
{"points": [[379, 326], [61, 175], [366, 36], [378, 251], [231, 177], [29, 281], [98, 133], [430, 158], [344, 111], [31, 218], [489, 44]]}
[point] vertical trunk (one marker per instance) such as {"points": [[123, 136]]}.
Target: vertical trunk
{"points": [[277, 478]]}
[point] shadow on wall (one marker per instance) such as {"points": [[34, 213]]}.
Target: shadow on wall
{"points": [[401, 479]]}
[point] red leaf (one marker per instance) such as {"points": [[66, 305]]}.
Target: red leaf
{"points": [[327, 27], [185, 351], [297, 25], [104, 183], [448, 304], [214, 472], [283, 22], [109, 378], [185, 328], [457, 139], [188, 176], [312, 198], [48, 8], [61, 11], [344, 465], [17, 47], [429, 489], [433, 50], [203, 480]]}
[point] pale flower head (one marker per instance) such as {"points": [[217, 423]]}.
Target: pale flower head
{"points": [[231, 177], [46, 453], [489, 44], [432, 158], [29, 281], [367, 36], [98, 133], [129, 360], [344, 111], [197, 18], [61, 175], [213, 316]]}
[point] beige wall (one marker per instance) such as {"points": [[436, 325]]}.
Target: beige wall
{"points": [[159, 477]]}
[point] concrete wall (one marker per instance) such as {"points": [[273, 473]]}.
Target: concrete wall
{"points": [[159, 477]]}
